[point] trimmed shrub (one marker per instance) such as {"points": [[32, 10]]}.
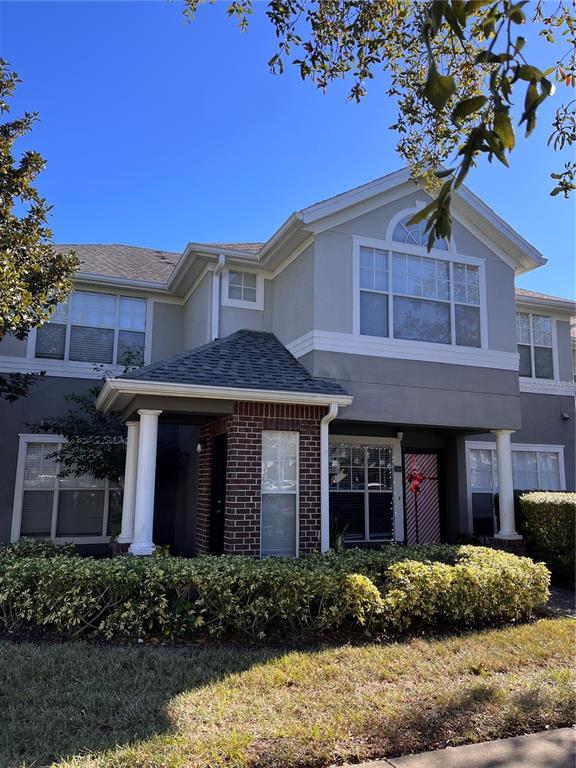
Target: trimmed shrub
{"points": [[38, 548], [548, 525], [394, 590]]}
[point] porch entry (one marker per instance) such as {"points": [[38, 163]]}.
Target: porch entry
{"points": [[421, 498], [365, 484]]}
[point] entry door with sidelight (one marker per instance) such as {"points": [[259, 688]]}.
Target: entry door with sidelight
{"points": [[364, 497], [422, 498]]}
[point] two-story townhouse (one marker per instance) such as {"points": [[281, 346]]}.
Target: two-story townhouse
{"points": [[303, 387]]}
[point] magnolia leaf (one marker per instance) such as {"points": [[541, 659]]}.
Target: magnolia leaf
{"points": [[438, 88], [468, 107], [504, 129]]}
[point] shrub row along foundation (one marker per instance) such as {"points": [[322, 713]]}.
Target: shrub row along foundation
{"points": [[395, 590]]}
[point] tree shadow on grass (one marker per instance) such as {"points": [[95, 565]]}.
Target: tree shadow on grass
{"points": [[64, 699]]}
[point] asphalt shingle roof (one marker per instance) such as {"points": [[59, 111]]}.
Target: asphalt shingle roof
{"points": [[537, 295], [246, 360], [128, 261]]}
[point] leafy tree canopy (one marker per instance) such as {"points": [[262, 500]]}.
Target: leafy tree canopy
{"points": [[455, 69], [34, 276]]}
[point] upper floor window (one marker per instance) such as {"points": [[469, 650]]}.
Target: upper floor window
{"points": [[415, 234], [421, 298], [95, 328], [242, 289], [242, 286], [535, 348]]}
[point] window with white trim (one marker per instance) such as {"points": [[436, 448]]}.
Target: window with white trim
{"points": [[418, 298], [532, 468], [95, 328], [242, 286], [361, 483], [535, 346], [63, 508], [279, 522]]}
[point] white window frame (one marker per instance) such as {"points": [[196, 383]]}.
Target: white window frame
{"points": [[25, 440], [555, 368], [451, 256], [397, 483], [516, 447], [78, 368], [284, 492], [240, 304]]}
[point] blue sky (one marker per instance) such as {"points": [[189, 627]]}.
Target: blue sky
{"points": [[159, 132]]}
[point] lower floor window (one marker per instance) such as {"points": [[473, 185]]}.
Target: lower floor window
{"points": [[361, 491], [55, 507], [533, 469], [279, 524]]}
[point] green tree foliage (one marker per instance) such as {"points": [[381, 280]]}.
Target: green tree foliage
{"points": [[34, 276], [455, 69]]}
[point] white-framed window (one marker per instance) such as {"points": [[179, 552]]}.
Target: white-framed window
{"points": [[407, 295], [242, 288], [535, 345], [63, 509], [280, 478], [534, 467], [97, 328]]}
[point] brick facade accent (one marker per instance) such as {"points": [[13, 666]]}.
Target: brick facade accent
{"points": [[243, 474]]}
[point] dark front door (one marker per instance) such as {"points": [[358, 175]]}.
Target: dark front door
{"points": [[218, 497], [421, 498]]}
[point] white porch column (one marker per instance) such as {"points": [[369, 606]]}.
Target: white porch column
{"points": [[145, 484], [325, 478], [130, 473], [505, 485]]}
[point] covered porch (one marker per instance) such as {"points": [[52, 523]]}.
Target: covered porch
{"points": [[259, 428]]}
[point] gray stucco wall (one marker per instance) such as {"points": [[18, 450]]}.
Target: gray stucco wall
{"points": [[293, 298], [234, 318], [46, 398], [414, 392], [166, 330], [13, 347], [197, 315]]}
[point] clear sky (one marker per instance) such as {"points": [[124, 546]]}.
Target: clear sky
{"points": [[159, 132]]}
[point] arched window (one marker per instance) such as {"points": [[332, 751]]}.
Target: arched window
{"points": [[407, 293], [415, 234]]}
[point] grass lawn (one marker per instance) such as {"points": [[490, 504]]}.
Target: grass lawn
{"points": [[98, 706]]}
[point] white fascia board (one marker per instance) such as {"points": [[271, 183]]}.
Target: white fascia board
{"points": [[560, 305], [114, 387]]}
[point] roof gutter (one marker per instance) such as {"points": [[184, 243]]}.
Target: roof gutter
{"points": [[114, 388]]}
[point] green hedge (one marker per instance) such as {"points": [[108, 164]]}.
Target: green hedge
{"points": [[391, 591], [548, 525]]}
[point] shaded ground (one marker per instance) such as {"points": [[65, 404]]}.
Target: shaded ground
{"points": [[562, 602], [80, 705]]}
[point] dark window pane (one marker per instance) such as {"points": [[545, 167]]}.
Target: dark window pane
{"points": [[130, 348], [525, 360], [36, 513], [543, 363], [91, 345], [80, 513], [114, 513], [381, 515], [421, 320], [467, 326], [483, 514], [373, 314], [347, 514], [50, 341]]}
